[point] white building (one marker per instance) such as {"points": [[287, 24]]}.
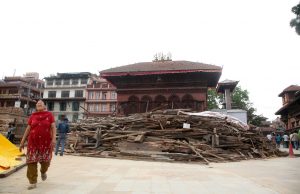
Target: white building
{"points": [[64, 94]]}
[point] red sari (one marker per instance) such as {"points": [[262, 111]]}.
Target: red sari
{"points": [[39, 148]]}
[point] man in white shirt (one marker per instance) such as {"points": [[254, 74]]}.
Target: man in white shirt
{"points": [[285, 140], [269, 136]]}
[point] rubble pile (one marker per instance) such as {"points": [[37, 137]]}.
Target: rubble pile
{"points": [[171, 135], [10, 115], [12, 110]]}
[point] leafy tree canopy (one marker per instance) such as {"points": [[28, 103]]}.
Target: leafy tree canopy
{"points": [[240, 100], [213, 99], [296, 21]]}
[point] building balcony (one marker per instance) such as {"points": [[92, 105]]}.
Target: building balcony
{"points": [[15, 97], [65, 86], [9, 96], [67, 111], [100, 100], [65, 99], [100, 89]]}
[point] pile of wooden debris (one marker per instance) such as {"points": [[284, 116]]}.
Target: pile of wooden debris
{"points": [[12, 115], [171, 135]]}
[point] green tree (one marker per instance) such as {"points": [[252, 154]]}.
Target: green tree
{"points": [[240, 100], [296, 21], [212, 99]]}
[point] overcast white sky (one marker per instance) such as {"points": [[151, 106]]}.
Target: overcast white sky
{"points": [[252, 40]]}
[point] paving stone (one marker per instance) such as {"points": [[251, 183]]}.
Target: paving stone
{"points": [[71, 174]]}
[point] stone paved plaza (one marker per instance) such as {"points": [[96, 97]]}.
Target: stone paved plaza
{"points": [[72, 174]]}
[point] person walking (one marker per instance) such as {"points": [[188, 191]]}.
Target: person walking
{"points": [[278, 140], [285, 141], [295, 140], [41, 133], [269, 137], [62, 129]]}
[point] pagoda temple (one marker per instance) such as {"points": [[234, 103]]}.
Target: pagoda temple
{"points": [[145, 86]]}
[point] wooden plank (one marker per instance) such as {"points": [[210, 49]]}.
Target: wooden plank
{"points": [[140, 138]]}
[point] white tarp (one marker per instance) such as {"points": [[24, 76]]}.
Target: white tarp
{"points": [[228, 118]]}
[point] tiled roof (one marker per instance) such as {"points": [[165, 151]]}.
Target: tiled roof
{"points": [[291, 88], [266, 129], [163, 66], [230, 84], [227, 81]]}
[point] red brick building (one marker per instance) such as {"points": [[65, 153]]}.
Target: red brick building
{"points": [[23, 91], [144, 86], [290, 110], [101, 98]]}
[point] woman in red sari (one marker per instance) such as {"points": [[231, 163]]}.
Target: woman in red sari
{"points": [[41, 134]]}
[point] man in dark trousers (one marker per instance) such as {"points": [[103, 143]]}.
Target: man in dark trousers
{"points": [[62, 130]]}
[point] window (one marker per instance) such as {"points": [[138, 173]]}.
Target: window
{"points": [[75, 106], [104, 95], [41, 85], [13, 91], [112, 107], [83, 81], [104, 107], [91, 95], [113, 95], [75, 82], [67, 82], [65, 94], [97, 85], [97, 95], [75, 117], [62, 106], [10, 103], [105, 85], [50, 83], [50, 106], [90, 107], [79, 93], [58, 82], [96, 107], [52, 94]]}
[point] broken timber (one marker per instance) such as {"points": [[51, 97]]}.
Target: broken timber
{"points": [[159, 135]]}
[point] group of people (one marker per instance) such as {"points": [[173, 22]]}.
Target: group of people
{"points": [[41, 136], [292, 138]]}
